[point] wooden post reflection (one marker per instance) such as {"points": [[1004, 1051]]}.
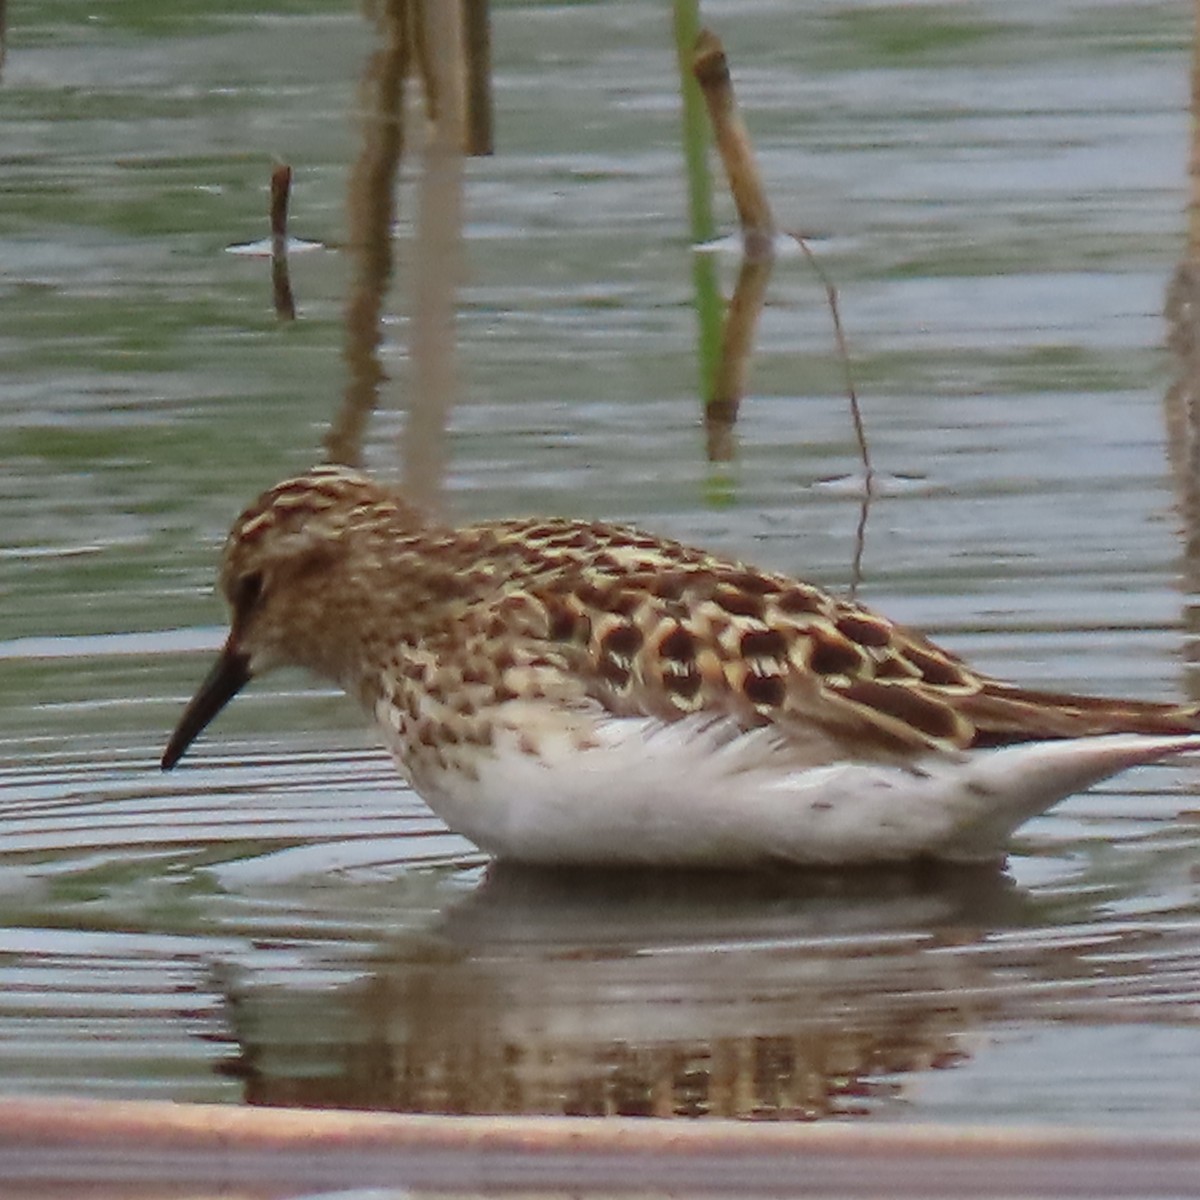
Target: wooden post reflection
{"points": [[477, 46], [1182, 403], [428, 35], [1194, 156], [370, 214], [438, 260]]}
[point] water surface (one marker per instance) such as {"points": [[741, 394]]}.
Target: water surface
{"points": [[998, 190]]}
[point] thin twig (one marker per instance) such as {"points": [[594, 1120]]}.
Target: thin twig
{"points": [[860, 544], [860, 431], [856, 417]]}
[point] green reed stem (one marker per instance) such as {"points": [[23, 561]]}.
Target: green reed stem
{"points": [[699, 180]]}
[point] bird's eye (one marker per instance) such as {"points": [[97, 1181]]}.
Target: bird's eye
{"points": [[249, 589]]}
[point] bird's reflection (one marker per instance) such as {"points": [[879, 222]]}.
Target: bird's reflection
{"points": [[643, 994], [536, 908]]}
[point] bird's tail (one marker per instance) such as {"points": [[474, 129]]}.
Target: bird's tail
{"points": [[998, 790], [1004, 715]]}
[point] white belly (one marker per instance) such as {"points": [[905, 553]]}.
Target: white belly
{"points": [[697, 792]]}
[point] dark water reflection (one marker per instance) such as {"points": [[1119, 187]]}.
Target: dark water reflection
{"points": [[1001, 187]]}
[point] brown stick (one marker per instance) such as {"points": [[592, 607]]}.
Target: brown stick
{"points": [[711, 68], [281, 283], [281, 190]]}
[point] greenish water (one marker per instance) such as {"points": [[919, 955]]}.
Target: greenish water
{"points": [[998, 190]]}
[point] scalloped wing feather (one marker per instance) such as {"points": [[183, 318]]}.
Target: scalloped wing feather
{"points": [[703, 635]]}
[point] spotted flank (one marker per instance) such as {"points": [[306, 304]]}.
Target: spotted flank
{"points": [[574, 691]]}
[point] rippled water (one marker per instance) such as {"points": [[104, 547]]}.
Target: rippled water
{"points": [[998, 190]]}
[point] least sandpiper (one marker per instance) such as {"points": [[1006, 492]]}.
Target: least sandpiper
{"points": [[576, 692]]}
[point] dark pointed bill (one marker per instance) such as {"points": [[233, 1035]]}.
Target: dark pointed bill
{"points": [[229, 674]]}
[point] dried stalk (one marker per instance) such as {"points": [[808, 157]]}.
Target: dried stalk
{"points": [[281, 283], [711, 68]]}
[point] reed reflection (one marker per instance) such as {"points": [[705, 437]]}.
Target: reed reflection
{"points": [[370, 215], [1182, 401]]}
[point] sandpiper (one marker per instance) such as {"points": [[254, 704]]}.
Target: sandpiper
{"points": [[564, 691]]}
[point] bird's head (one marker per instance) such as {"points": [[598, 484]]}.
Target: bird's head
{"points": [[283, 571]]}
